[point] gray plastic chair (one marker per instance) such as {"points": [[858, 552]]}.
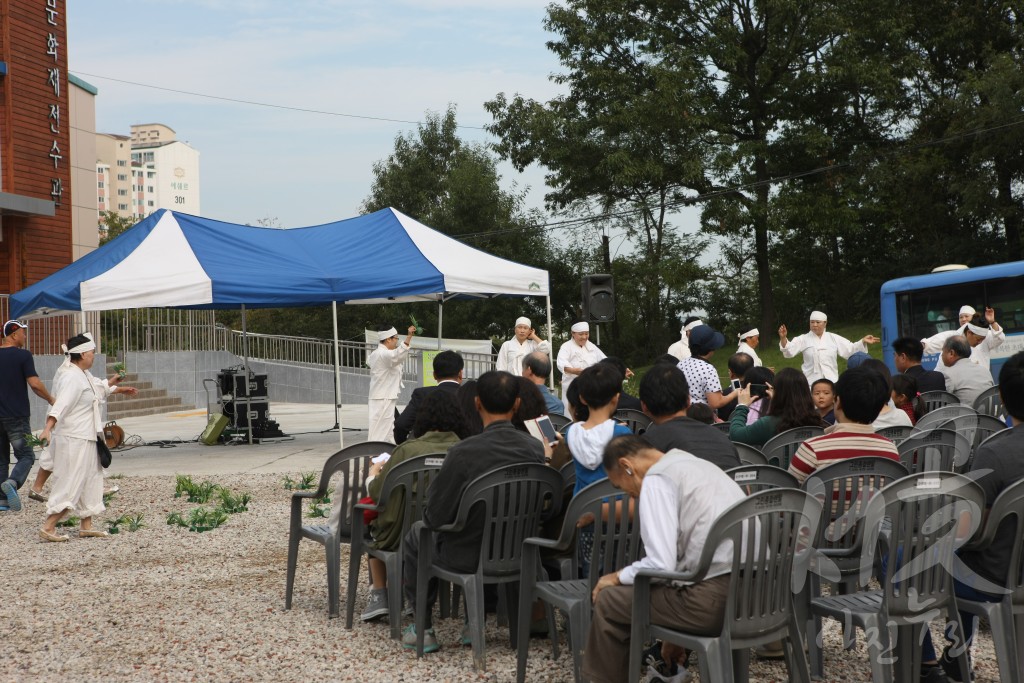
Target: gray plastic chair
{"points": [[987, 426], [936, 449], [895, 434], [935, 418], [352, 464], [722, 426], [925, 517], [512, 502], [749, 455], [1006, 617], [406, 484], [764, 576], [844, 489], [559, 421], [989, 402], [637, 421], [754, 478], [616, 545], [936, 399], [780, 448]]}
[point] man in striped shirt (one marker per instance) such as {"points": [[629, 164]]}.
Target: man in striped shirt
{"points": [[860, 395]]}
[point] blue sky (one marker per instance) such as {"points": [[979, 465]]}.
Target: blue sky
{"points": [[392, 58]]}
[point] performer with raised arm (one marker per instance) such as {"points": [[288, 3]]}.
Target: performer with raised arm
{"points": [[821, 349]]}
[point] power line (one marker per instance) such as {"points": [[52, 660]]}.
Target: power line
{"points": [[269, 105]]}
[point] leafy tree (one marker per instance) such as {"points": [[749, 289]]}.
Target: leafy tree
{"points": [[112, 224]]}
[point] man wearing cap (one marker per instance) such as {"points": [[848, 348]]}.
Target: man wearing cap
{"points": [[821, 349], [575, 356], [983, 333], [525, 342], [385, 363], [681, 349], [749, 341], [17, 370]]}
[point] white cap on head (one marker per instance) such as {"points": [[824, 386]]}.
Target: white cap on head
{"points": [[967, 310], [751, 333], [818, 316], [695, 323], [387, 334], [581, 327], [523, 320]]}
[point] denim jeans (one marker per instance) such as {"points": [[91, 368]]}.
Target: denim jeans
{"points": [[12, 434]]}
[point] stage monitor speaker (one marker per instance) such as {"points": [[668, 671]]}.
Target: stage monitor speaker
{"points": [[598, 298]]}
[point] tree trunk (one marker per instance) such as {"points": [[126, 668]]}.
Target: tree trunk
{"points": [[1011, 213], [764, 276]]}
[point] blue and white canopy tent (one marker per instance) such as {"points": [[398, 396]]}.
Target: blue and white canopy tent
{"points": [[177, 260]]}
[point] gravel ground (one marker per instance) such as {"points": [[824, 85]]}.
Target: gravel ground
{"points": [[166, 604]]}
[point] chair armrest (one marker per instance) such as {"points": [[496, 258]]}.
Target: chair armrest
{"points": [[693, 576], [306, 494], [373, 507], [545, 543]]}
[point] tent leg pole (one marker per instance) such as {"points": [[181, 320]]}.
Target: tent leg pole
{"points": [[337, 379], [245, 366], [551, 341], [440, 321]]}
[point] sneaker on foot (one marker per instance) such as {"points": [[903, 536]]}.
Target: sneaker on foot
{"points": [[377, 606], [932, 673], [951, 666], [656, 676], [660, 671], [13, 500], [429, 639]]}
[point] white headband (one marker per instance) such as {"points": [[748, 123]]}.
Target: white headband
{"points": [[580, 327], [751, 333], [818, 316], [81, 348], [387, 334], [523, 321], [695, 323], [980, 331], [967, 310]]}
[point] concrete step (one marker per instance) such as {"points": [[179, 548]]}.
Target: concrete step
{"points": [[136, 403], [122, 414]]}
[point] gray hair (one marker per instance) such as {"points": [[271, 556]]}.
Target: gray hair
{"points": [[539, 363], [958, 345]]}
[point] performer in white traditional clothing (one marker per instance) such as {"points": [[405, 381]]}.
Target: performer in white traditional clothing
{"points": [[526, 341], [983, 340], [575, 356], [76, 415], [749, 341], [681, 349], [385, 363], [821, 349]]}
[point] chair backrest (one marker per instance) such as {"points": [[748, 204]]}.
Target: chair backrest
{"points": [[936, 417], [636, 421], [750, 455], [964, 425], [558, 421], [895, 434], [1008, 507], [780, 448], [987, 426], [568, 472], [754, 478], [722, 426], [411, 477], [617, 541], [352, 464], [929, 515], [844, 488], [989, 402], [937, 399], [512, 501], [933, 450], [768, 532], [991, 437]]}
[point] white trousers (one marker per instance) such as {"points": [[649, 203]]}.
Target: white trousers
{"points": [[382, 419], [77, 477]]}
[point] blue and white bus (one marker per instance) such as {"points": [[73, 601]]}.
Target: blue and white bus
{"points": [[922, 305]]}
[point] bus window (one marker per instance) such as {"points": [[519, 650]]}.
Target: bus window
{"points": [[1007, 298], [936, 310]]}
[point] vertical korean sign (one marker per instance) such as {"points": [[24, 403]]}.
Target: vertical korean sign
{"points": [[54, 80]]}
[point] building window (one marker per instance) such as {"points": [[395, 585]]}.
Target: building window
{"points": [[122, 176], [151, 174], [99, 184], [122, 162], [148, 156], [149, 189], [149, 203], [122, 207], [122, 193]]}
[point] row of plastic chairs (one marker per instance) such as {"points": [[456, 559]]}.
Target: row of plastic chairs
{"points": [[988, 402]]}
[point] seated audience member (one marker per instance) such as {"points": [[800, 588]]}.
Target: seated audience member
{"points": [[791, 406], [531, 403], [758, 380], [685, 494], [466, 396], [599, 390], [537, 369], [448, 373], [739, 365], [907, 355], [890, 416], [823, 393], [964, 378], [983, 334], [705, 386], [907, 398], [666, 400], [498, 445], [666, 359], [860, 395], [995, 467], [439, 425], [701, 412], [625, 400]]}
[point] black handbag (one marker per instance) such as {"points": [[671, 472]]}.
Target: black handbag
{"points": [[103, 452]]}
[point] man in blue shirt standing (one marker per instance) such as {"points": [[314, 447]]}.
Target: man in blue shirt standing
{"points": [[17, 369]]}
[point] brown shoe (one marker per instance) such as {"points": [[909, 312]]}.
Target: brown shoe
{"points": [[92, 533], [55, 538], [36, 496]]}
